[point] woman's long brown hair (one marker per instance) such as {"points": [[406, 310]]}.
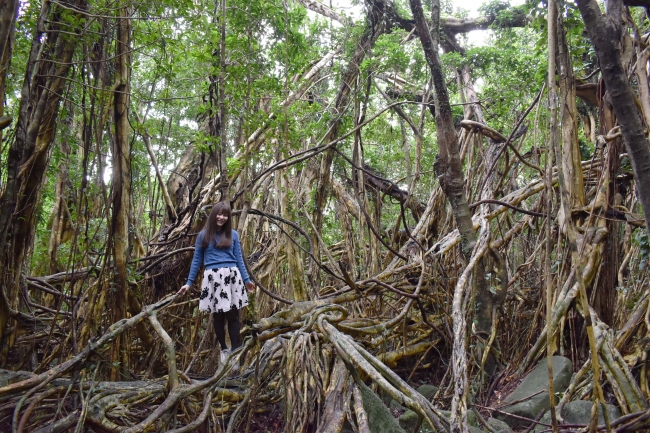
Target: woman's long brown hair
{"points": [[211, 230]]}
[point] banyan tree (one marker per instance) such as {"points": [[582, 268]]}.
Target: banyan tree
{"points": [[414, 208]]}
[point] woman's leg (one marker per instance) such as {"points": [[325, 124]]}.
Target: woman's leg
{"points": [[219, 322], [233, 327]]}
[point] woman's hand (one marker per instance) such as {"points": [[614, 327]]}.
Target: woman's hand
{"points": [[183, 289], [250, 286]]}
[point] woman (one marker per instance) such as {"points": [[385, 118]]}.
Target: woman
{"points": [[225, 280]]}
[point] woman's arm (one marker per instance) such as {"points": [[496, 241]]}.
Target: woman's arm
{"points": [[238, 256], [197, 260]]}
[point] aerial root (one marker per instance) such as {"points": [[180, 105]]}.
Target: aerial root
{"points": [[115, 400], [207, 402], [304, 373], [617, 373], [359, 411], [323, 367], [113, 332], [337, 399], [356, 356]]}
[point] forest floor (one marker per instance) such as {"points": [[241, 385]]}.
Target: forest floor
{"points": [[269, 422]]}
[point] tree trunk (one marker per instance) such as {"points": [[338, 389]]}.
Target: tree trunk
{"points": [[295, 270], [486, 299], [350, 76], [60, 219], [170, 211], [604, 33], [8, 11], [448, 165], [15, 154], [642, 77], [121, 179], [223, 143], [28, 155], [551, 345], [571, 160], [452, 180]]}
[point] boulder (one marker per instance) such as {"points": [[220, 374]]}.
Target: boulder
{"points": [[396, 406], [532, 402], [471, 417], [499, 426], [409, 419], [379, 417], [8, 377], [428, 391], [579, 412]]}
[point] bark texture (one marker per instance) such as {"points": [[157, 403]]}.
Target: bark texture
{"points": [[448, 167], [29, 153], [604, 33], [375, 29], [121, 203]]}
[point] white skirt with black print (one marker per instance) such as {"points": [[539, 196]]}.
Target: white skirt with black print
{"points": [[222, 290]]}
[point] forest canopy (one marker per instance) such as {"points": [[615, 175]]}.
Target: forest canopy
{"points": [[414, 210]]}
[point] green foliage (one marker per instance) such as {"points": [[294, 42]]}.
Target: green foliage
{"points": [[270, 44], [586, 147], [391, 54], [494, 7], [510, 72], [504, 14], [641, 238]]}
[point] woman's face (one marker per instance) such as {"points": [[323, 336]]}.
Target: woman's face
{"points": [[221, 219]]}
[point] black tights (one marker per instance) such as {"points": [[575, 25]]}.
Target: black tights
{"points": [[219, 322]]}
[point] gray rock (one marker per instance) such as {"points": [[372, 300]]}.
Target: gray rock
{"points": [[535, 381], [8, 377], [471, 417], [385, 397], [379, 417], [499, 426], [394, 404], [579, 412], [428, 391], [546, 419], [409, 419]]}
